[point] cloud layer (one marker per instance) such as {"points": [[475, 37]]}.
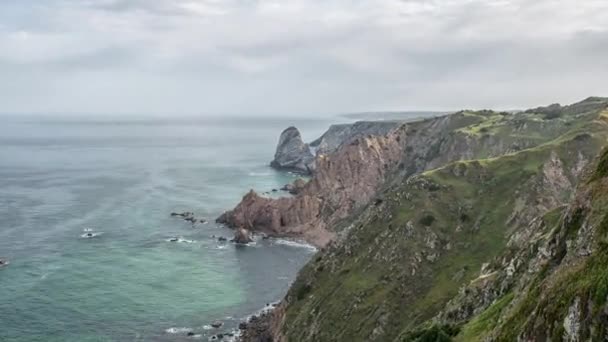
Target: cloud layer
{"points": [[297, 56]]}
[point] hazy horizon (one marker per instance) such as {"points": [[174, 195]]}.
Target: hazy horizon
{"points": [[292, 58]]}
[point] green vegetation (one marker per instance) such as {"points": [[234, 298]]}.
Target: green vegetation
{"points": [[484, 323], [602, 167], [427, 220], [435, 333]]}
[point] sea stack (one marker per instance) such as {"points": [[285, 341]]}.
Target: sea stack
{"points": [[292, 153]]}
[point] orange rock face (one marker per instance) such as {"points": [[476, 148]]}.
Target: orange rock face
{"points": [[343, 181]]}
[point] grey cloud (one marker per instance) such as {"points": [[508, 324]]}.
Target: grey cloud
{"points": [[295, 56]]}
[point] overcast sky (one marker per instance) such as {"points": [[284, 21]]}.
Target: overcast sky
{"points": [[298, 56]]}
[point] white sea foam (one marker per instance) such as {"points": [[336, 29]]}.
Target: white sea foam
{"points": [[181, 330], [182, 240], [265, 309], [226, 338], [90, 235], [259, 174], [297, 244]]}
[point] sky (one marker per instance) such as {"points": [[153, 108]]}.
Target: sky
{"points": [[293, 57]]}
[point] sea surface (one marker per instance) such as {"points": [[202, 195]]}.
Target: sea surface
{"points": [[121, 179]]}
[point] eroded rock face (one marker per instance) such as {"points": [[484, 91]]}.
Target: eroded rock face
{"points": [[292, 153], [340, 134]]}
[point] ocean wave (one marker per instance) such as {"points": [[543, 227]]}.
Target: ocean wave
{"points": [[259, 174], [297, 244], [182, 240]]}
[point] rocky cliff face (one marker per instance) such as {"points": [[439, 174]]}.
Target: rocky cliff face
{"points": [[338, 135], [473, 233], [292, 153], [350, 177]]}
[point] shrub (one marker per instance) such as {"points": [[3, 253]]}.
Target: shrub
{"points": [[427, 220]]}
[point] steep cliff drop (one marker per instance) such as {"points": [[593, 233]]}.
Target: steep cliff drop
{"points": [[497, 247]]}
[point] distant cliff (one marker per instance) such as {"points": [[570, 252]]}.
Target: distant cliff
{"points": [[337, 135], [294, 155]]}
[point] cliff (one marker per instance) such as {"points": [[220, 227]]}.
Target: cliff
{"points": [[338, 135], [475, 232], [294, 155], [348, 178]]}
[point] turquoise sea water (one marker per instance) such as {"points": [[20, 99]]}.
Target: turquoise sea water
{"points": [[122, 179]]}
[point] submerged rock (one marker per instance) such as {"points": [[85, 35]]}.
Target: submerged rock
{"points": [[292, 153]]}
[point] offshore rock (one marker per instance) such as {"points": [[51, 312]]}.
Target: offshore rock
{"points": [[292, 153], [242, 236]]}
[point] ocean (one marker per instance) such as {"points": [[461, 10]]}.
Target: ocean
{"points": [[121, 179]]}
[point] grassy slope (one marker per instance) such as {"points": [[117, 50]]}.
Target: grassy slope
{"points": [[404, 259]]}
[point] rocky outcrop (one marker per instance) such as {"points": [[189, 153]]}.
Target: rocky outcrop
{"points": [[242, 236], [296, 187], [343, 181], [292, 153], [263, 327]]}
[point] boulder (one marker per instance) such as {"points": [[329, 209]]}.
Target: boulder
{"points": [[295, 187], [292, 153], [242, 236]]}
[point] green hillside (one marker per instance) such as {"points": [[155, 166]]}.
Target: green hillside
{"points": [[416, 264]]}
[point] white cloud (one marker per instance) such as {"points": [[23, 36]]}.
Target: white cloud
{"points": [[293, 56]]}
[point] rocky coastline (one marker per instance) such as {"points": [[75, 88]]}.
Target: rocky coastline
{"points": [[357, 186]]}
